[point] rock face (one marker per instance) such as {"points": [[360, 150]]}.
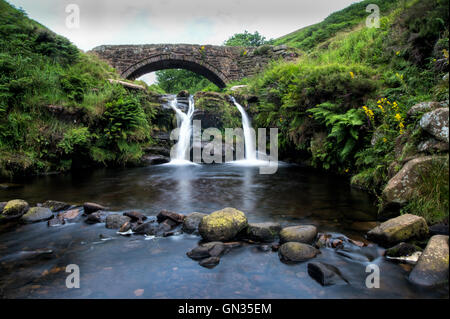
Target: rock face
{"points": [[191, 222], [37, 214], [263, 232], [436, 123], [90, 208], [14, 209], [401, 187], [55, 206], [222, 225], [296, 252], [399, 229], [432, 268], [325, 274], [116, 221], [301, 234]]}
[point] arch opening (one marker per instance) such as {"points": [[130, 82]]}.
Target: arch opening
{"points": [[214, 77]]}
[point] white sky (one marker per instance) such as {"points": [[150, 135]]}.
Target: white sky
{"points": [[176, 21]]}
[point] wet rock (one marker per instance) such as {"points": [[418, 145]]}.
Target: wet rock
{"points": [[115, 221], [212, 249], [296, 252], [90, 208], [70, 214], [125, 227], [191, 222], [136, 216], [56, 206], [56, 221], [275, 247], [402, 249], [401, 188], [436, 123], [410, 259], [14, 209], [151, 159], [263, 232], [165, 214], [168, 224], [150, 229], [432, 267], [37, 214], [97, 217], [210, 262], [301, 234], [401, 228], [222, 225], [325, 274]]}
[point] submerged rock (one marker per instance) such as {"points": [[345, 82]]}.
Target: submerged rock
{"points": [[90, 208], [210, 262], [55, 206], [116, 221], [401, 228], [301, 234], [432, 267], [296, 252], [222, 225], [14, 209], [37, 214], [325, 274], [263, 232], [191, 222]]}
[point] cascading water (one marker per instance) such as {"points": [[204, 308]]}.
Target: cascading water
{"points": [[182, 151], [249, 141]]}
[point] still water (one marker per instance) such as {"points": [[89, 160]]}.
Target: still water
{"points": [[132, 267]]}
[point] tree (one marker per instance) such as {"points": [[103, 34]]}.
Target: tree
{"points": [[176, 80], [247, 39]]}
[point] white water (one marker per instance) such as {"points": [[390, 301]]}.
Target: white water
{"points": [[183, 147], [249, 140]]}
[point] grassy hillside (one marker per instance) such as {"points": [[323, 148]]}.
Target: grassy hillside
{"points": [[353, 81], [57, 109]]}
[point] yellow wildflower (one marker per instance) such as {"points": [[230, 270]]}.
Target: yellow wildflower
{"points": [[384, 139], [352, 75], [398, 117], [397, 53]]}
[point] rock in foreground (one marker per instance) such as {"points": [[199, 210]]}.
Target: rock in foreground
{"points": [[263, 232], [37, 214], [300, 234], [432, 268], [325, 274], [398, 229], [222, 225], [296, 252]]}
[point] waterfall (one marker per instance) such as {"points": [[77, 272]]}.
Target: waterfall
{"points": [[183, 147], [249, 141]]}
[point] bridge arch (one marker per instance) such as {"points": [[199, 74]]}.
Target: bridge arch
{"points": [[162, 62]]}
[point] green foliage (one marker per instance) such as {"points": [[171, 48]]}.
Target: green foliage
{"points": [[75, 140], [176, 80], [246, 39]]}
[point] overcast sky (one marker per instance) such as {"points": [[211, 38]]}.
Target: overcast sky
{"points": [[176, 21]]}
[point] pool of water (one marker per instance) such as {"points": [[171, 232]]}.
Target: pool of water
{"points": [[133, 267]]}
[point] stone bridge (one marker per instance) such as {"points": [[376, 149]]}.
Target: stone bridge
{"points": [[219, 64]]}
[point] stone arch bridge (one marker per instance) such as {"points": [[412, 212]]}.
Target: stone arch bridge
{"points": [[219, 64]]}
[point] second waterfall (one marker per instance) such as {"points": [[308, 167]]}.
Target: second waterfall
{"points": [[183, 147]]}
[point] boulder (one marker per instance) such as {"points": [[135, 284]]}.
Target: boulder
{"points": [[301, 234], [191, 222], [165, 214], [212, 249], [402, 249], [136, 216], [263, 232], [55, 206], [402, 187], [56, 221], [125, 227], [90, 208], [14, 209], [151, 229], [432, 267], [398, 229], [97, 217], [436, 123], [325, 274], [115, 221], [222, 225], [296, 252], [37, 214]]}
